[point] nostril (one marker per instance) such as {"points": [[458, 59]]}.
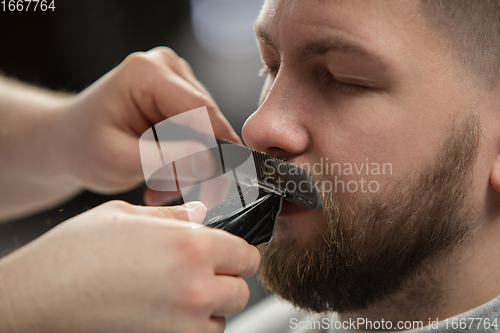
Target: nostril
{"points": [[277, 131], [278, 153]]}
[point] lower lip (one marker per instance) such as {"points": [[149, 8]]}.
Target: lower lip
{"points": [[288, 208]]}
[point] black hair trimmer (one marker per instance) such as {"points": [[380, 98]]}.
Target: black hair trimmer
{"points": [[254, 222]]}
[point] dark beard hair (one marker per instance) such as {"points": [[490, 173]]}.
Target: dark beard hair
{"points": [[368, 251]]}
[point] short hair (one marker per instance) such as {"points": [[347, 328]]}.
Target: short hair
{"points": [[472, 28]]}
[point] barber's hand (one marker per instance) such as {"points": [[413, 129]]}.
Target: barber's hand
{"points": [[99, 129], [123, 268]]}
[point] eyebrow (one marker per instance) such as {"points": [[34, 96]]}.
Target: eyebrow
{"points": [[321, 47], [264, 37]]}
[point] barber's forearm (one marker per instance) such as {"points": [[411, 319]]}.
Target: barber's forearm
{"points": [[31, 178], [7, 321]]}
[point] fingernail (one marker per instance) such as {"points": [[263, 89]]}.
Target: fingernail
{"points": [[195, 206], [203, 164], [195, 225]]}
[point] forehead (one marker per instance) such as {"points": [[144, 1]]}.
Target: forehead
{"points": [[336, 11], [379, 25]]}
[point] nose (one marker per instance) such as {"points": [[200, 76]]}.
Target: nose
{"points": [[278, 126]]}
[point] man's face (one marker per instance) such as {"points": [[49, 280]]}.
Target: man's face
{"points": [[367, 91]]}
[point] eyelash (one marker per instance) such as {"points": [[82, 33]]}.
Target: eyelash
{"points": [[326, 76], [330, 80], [268, 70]]}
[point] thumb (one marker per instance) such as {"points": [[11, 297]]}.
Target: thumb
{"points": [[194, 211]]}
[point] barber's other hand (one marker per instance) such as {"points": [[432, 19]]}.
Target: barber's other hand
{"points": [[124, 268], [98, 130]]}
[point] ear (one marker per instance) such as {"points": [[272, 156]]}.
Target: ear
{"points": [[495, 175]]}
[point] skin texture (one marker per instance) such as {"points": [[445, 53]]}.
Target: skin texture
{"points": [[371, 250], [413, 92], [90, 140], [124, 268], [118, 267]]}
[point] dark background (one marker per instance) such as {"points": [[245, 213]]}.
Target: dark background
{"points": [[80, 41]]}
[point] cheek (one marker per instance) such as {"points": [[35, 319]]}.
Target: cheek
{"points": [[375, 146]]}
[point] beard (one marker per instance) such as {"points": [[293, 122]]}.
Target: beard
{"points": [[369, 250]]}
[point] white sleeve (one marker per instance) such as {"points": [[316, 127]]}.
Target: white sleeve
{"points": [[271, 315]]}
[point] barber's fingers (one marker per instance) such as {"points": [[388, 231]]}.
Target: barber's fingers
{"points": [[178, 65], [191, 211], [162, 94], [231, 295], [231, 255], [159, 198], [178, 90], [184, 97], [234, 256]]}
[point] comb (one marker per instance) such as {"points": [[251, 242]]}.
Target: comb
{"points": [[271, 174], [253, 168]]}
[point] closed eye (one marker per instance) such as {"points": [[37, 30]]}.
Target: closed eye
{"points": [[269, 70], [331, 81]]}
